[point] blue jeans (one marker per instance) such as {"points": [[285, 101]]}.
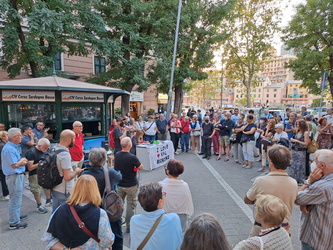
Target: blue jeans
{"points": [[15, 185], [149, 137], [185, 141], [58, 199], [306, 246]]}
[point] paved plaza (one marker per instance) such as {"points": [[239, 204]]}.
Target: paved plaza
{"points": [[217, 187]]}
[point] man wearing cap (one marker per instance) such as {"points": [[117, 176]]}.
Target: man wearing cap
{"points": [[119, 133]]}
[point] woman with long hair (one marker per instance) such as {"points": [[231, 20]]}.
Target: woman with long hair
{"points": [[325, 132], [63, 231], [299, 142]]}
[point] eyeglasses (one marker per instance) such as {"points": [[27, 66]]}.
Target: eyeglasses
{"points": [[79, 126]]}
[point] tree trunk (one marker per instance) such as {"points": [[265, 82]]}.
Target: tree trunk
{"points": [[125, 104], [178, 99], [248, 97]]}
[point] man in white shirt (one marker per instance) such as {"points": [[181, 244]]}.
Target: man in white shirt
{"points": [[279, 133]]}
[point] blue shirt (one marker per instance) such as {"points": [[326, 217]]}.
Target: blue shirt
{"points": [[234, 118], [167, 236], [38, 134], [24, 144], [10, 156], [290, 134], [269, 115], [161, 125]]}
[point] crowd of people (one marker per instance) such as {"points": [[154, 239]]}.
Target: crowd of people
{"points": [[281, 144]]}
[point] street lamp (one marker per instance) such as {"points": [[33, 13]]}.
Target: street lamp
{"points": [[173, 61]]}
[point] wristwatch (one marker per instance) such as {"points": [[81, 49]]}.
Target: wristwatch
{"points": [[306, 182]]}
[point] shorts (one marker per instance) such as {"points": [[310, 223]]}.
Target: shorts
{"points": [[224, 140], [34, 187]]}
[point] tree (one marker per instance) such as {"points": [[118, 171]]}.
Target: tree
{"points": [[310, 36], [251, 30], [34, 31], [202, 90], [135, 28], [199, 35]]}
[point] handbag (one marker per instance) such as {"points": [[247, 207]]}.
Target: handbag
{"points": [[150, 233], [313, 146], [245, 138], [266, 141], [233, 137], [82, 225]]}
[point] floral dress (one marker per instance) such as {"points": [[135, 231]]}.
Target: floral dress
{"points": [[324, 139], [298, 163]]}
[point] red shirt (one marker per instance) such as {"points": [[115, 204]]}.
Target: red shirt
{"points": [[185, 126], [77, 151]]}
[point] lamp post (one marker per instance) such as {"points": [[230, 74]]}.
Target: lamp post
{"points": [[173, 61]]}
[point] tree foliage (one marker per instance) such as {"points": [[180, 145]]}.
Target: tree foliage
{"points": [[202, 90], [199, 35], [310, 35], [34, 31], [251, 29]]}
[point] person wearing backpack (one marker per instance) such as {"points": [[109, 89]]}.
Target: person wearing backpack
{"points": [[61, 192], [97, 159], [34, 155]]}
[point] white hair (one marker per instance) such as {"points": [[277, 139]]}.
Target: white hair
{"points": [[13, 132], [44, 141], [326, 156]]}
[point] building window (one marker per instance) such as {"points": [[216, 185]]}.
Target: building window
{"points": [[255, 95], [57, 61], [99, 65], [236, 96], [267, 90], [259, 95], [274, 95], [275, 90], [267, 95]]}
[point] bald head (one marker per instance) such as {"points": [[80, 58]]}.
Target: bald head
{"points": [[126, 143], [67, 138]]}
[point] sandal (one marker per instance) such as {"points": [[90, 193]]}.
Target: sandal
{"points": [[226, 159], [218, 158]]}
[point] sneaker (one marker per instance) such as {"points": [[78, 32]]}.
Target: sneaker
{"points": [[249, 166], [208, 157], [205, 156], [201, 154], [5, 198], [48, 203], [176, 153], [23, 217], [244, 166], [18, 226], [40, 209]]}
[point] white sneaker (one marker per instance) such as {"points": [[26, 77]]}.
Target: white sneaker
{"points": [[176, 153], [5, 198]]}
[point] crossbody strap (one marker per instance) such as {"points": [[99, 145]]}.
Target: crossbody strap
{"points": [[81, 224], [107, 178], [150, 233]]}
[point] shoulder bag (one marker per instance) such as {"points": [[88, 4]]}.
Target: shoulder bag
{"points": [[150, 233], [82, 225], [111, 201]]}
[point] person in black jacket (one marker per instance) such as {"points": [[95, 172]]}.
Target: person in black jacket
{"points": [[225, 128], [97, 159]]}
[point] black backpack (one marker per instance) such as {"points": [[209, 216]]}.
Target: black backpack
{"points": [[111, 201], [47, 171]]}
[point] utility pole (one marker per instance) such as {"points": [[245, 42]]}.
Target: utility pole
{"points": [[173, 61]]}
